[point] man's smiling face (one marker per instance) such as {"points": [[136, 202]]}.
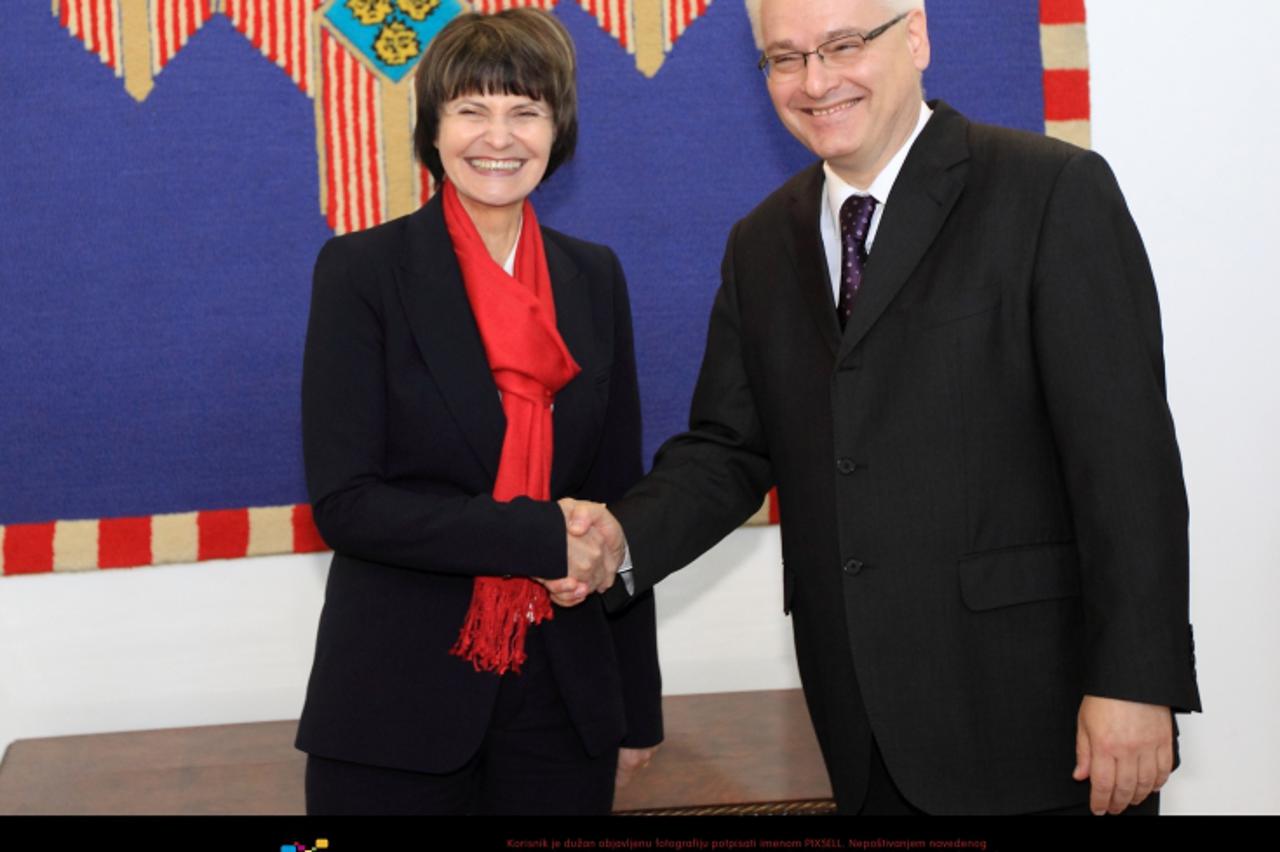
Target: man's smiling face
{"points": [[857, 116]]}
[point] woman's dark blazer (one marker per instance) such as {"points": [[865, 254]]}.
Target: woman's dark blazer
{"points": [[402, 428]]}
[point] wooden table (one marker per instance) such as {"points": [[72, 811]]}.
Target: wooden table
{"points": [[734, 752]]}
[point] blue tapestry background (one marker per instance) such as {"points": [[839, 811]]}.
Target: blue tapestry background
{"points": [[155, 258]]}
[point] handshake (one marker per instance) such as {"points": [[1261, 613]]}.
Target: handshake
{"points": [[596, 547]]}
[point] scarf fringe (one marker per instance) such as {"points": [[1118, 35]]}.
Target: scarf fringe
{"points": [[501, 613]]}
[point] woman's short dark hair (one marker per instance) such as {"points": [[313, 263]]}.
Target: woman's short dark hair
{"points": [[522, 51]]}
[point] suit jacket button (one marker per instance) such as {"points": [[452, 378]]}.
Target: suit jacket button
{"points": [[846, 466], [852, 567]]}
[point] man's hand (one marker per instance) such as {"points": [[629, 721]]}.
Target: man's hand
{"points": [[629, 761], [583, 516], [1125, 748], [595, 550]]}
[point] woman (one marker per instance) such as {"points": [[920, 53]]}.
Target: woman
{"points": [[464, 367]]}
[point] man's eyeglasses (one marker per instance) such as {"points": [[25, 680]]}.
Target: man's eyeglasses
{"points": [[838, 53]]}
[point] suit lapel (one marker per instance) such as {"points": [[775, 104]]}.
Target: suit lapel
{"points": [[577, 415], [926, 189], [808, 255], [444, 329]]}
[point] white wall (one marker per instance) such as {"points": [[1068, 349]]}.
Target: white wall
{"points": [[1181, 111]]}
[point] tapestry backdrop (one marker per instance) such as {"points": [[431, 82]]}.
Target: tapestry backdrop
{"points": [[170, 168]]}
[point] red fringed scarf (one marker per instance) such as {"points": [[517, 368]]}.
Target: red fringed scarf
{"points": [[530, 363]]}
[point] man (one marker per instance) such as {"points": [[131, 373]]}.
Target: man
{"points": [[942, 344]]}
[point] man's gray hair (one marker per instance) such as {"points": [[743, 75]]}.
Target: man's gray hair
{"points": [[894, 7]]}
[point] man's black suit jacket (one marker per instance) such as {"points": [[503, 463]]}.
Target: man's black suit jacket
{"points": [[402, 430], [983, 512]]}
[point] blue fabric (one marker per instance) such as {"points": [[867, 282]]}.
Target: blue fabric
{"points": [[155, 258]]}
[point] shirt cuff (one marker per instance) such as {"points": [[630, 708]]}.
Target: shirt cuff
{"points": [[624, 571]]}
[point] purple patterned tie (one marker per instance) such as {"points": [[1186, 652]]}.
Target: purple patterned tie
{"points": [[855, 223]]}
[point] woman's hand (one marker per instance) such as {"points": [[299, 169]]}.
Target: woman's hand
{"points": [[630, 761], [566, 591]]}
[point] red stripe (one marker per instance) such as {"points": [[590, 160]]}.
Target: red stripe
{"points": [[306, 538], [64, 16], [774, 516], [257, 25], [281, 30], [224, 534], [344, 156], [622, 27], [671, 19], [285, 40], [355, 157], [28, 548], [193, 17], [271, 44], [1066, 95], [425, 177], [341, 213], [350, 156], [124, 542], [325, 92], [175, 21], [374, 186], [205, 13], [161, 34], [92, 27], [111, 36], [1062, 11], [606, 24], [362, 151], [335, 121], [304, 44]]}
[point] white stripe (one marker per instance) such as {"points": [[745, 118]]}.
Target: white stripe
{"points": [[73, 17], [268, 28], [418, 191], [615, 18], [348, 129], [330, 108], [248, 19], [264, 34], [154, 16], [312, 36], [103, 53], [75, 545], [362, 135], [270, 530], [333, 115], [117, 21], [295, 38], [184, 22], [175, 538], [380, 154], [282, 26]]}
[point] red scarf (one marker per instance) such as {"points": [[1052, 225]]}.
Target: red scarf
{"points": [[530, 363]]}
